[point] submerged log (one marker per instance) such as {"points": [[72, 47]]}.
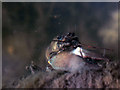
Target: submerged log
{"points": [[107, 77]]}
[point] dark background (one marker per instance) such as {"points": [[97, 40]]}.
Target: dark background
{"points": [[28, 28]]}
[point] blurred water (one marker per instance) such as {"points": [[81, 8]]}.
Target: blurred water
{"points": [[28, 28]]}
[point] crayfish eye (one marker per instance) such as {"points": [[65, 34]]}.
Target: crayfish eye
{"points": [[60, 37], [71, 34]]}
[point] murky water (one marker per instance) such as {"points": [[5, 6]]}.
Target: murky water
{"points": [[28, 28]]}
